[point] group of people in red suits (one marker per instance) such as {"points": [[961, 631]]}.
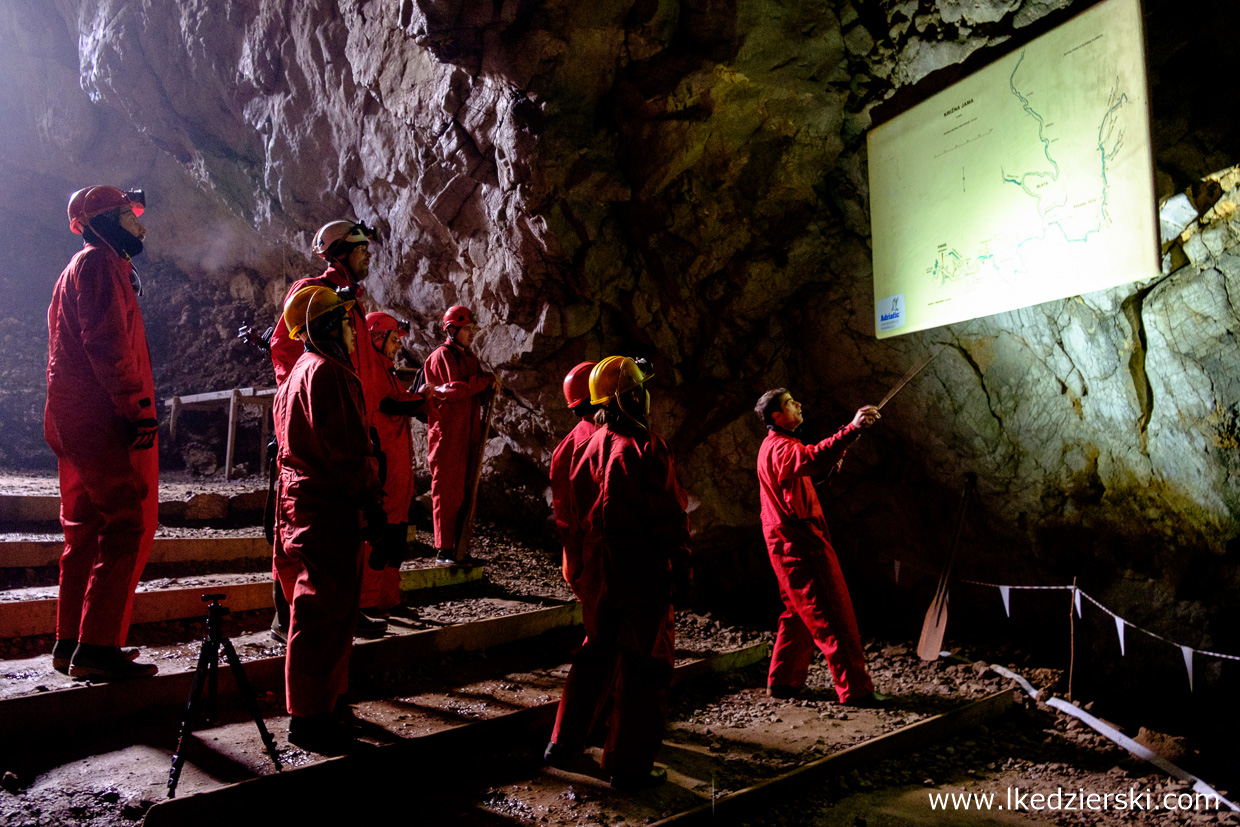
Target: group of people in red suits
{"points": [[342, 424], [344, 486]]}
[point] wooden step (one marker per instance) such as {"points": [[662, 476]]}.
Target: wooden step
{"points": [[37, 615], [242, 507], [61, 712], [35, 553]]}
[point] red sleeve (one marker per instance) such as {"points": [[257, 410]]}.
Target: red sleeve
{"points": [[793, 459], [106, 301], [442, 372]]}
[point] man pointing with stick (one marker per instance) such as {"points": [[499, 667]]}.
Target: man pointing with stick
{"points": [[817, 608]]}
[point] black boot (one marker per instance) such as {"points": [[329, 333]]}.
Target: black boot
{"points": [[106, 663]]}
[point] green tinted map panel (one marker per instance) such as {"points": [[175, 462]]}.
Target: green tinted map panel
{"points": [[1028, 181]]}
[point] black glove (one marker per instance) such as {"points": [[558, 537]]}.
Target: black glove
{"points": [[398, 407], [378, 555], [398, 544], [141, 433], [376, 522], [388, 545]]}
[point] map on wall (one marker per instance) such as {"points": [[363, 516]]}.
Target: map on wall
{"points": [[1028, 181]]}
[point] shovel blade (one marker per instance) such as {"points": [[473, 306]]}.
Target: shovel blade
{"points": [[931, 641]]}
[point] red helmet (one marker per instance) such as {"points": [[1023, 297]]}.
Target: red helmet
{"points": [[577, 384], [380, 322], [89, 202], [458, 316]]}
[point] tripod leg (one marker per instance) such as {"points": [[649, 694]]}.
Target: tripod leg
{"points": [[251, 702], [213, 684], [195, 696]]}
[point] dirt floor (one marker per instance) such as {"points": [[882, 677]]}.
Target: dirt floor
{"points": [[723, 734]]}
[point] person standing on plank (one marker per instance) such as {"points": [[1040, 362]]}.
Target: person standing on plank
{"points": [[577, 396], [394, 443], [817, 608], [454, 427], [345, 246], [634, 563], [100, 422], [326, 484], [585, 695]]}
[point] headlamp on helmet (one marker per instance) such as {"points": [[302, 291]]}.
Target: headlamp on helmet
{"points": [[89, 202], [380, 322], [335, 239]]}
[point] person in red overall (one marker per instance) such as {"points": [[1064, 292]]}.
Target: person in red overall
{"points": [[817, 608], [100, 422], [326, 482], [577, 396], [454, 427], [345, 246], [634, 563], [585, 694], [390, 424]]}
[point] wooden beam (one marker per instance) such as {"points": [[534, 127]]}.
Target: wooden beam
{"points": [[65, 712], [16, 554], [727, 810], [386, 769], [22, 618]]}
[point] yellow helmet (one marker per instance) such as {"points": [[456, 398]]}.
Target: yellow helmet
{"points": [[613, 376], [311, 303]]}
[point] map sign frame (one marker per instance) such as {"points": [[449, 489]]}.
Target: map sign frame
{"points": [[1030, 180]]}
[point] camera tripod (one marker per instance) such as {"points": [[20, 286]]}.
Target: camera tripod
{"points": [[208, 673]]}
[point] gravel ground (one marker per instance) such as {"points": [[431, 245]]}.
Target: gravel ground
{"points": [[731, 725]]}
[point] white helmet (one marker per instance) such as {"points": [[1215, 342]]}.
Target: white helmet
{"points": [[331, 239]]}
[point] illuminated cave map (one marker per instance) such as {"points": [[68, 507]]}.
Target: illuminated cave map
{"points": [[1028, 181]]}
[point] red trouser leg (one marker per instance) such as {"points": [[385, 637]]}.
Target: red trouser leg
{"points": [[635, 733], [321, 578], [109, 512], [447, 458], [590, 683], [813, 586], [380, 589], [794, 646]]}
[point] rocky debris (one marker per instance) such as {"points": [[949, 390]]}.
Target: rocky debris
{"points": [[1174, 748]]}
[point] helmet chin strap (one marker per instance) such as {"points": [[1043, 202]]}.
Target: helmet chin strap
{"points": [[326, 352], [620, 403]]}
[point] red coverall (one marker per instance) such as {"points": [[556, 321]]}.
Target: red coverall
{"points": [[561, 496], [634, 532], [817, 608], [98, 379], [587, 696], [381, 589], [326, 479], [366, 360], [453, 433]]}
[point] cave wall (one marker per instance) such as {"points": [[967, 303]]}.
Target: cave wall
{"points": [[681, 180]]}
